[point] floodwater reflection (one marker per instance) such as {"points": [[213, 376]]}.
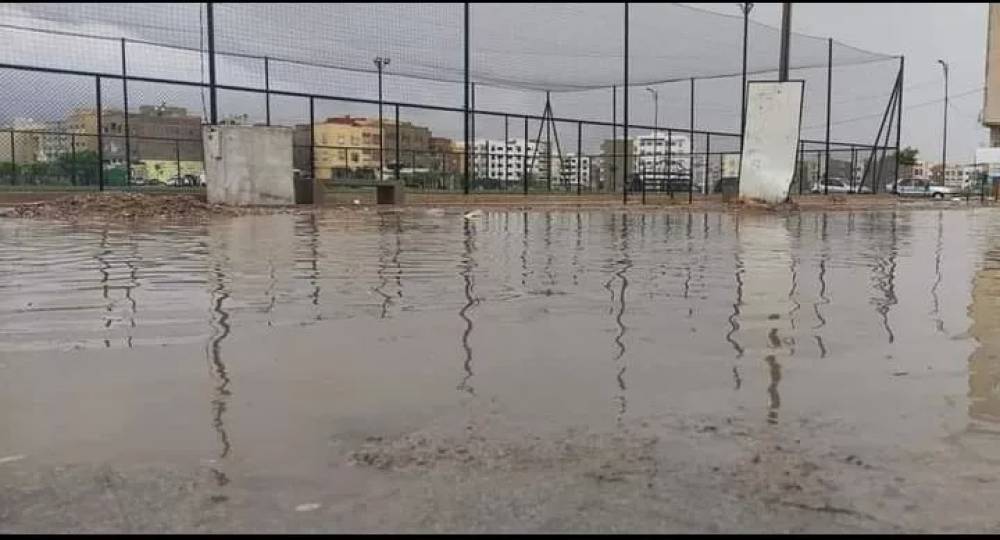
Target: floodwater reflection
{"points": [[564, 318]]}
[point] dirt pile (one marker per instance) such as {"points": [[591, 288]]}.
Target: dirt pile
{"points": [[127, 206]]}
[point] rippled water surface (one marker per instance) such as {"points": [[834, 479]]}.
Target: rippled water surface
{"points": [[251, 343]]}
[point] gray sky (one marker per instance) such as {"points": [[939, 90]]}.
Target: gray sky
{"points": [[955, 32]]}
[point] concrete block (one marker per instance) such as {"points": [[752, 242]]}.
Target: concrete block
{"points": [[249, 165]]}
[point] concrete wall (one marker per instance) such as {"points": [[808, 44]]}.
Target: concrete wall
{"points": [[774, 111], [248, 165]]}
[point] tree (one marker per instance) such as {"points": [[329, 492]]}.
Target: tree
{"points": [[908, 156]]}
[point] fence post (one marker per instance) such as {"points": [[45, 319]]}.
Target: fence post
{"points": [[267, 91], [625, 115], [72, 154], [212, 86], [397, 142], [312, 139], [708, 156], [670, 163], [128, 146], [100, 137], [524, 158], [614, 135], [691, 149], [829, 93], [506, 137], [579, 157], [13, 160], [466, 88]]}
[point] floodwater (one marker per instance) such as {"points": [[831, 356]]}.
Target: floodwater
{"points": [[517, 371]]}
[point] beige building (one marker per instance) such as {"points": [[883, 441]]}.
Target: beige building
{"points": [[346, 143], [22, 139], [155, 133]]}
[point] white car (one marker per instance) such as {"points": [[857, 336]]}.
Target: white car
{"points": [[838, 185], [915, 187]]}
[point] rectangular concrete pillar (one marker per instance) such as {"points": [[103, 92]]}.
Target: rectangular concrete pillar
{"points": [[249, 165]]}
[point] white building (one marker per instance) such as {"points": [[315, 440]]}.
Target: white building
{"points": [[568, 169], [500, 161], [661, 153]]}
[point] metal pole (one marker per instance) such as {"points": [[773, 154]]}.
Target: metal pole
{"points": [[13, 160], [524, 158], [829, 93], [669, 165], [708, 155], [614, 136], [397, 142], [747, 6], [267, 91], [944, 134], [691, 148], [506, 139], [625, 115], [100, 138], [177, 156], [466, 92], [899, 126], [72, 153], [212, 89], [854, 165], [312, 138], [472, 129], [381, 133], [548, 144], [786, 35], [579, 156], [128, 146]]}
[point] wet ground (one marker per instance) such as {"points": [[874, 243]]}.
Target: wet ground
{"points": [[520, 371]]}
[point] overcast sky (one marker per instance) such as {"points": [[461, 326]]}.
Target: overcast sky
{"points": [[955, 32]]}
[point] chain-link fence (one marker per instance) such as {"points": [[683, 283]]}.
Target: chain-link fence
{"points": [[504, 98]]}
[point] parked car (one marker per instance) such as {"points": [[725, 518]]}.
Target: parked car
{"points": [[839, 185], [915, 187]]}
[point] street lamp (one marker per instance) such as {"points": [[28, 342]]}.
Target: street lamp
{"points": [[380, 62], [944, 135], [746, 7], [656, 127]]}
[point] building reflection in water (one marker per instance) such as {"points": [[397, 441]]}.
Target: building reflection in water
{"points": [[984, 362]]}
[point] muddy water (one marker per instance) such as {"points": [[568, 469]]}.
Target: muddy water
{"points": [[256, 358]]}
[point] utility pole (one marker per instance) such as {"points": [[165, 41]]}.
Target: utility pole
{"points": [[746, 7], [380, 63]]}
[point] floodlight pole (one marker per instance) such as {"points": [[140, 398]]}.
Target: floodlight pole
{"points": [[944, 133], [829, 93], [786, 37], [466, 88], [380, 62], [625, 115]]}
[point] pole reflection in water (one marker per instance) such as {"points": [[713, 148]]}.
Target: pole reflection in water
{"points": [[381, 269], [884, 271], [524, 250], [624, 264], [470, 301], [105, 276], [221, 329], [823, 298], [132, 283], [938, 248]]}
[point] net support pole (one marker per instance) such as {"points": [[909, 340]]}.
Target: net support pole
{"points": [[625, 166], [829, 93], [708, 156], [878, 137], [267, 91], [465, 181], [506, 140], [579, 157], [212, 84], [13, 159], [100, 138], [786, 38], [899, 125], [472, 134], [747, 6], [691, 148], [128, 145]]}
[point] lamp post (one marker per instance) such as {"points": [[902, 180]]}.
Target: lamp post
{"points": [[380, 62], [746, 7], [944, 135], [656, 129]]}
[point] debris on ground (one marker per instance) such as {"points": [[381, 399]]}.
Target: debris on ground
{"points": [[128, 206]]}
